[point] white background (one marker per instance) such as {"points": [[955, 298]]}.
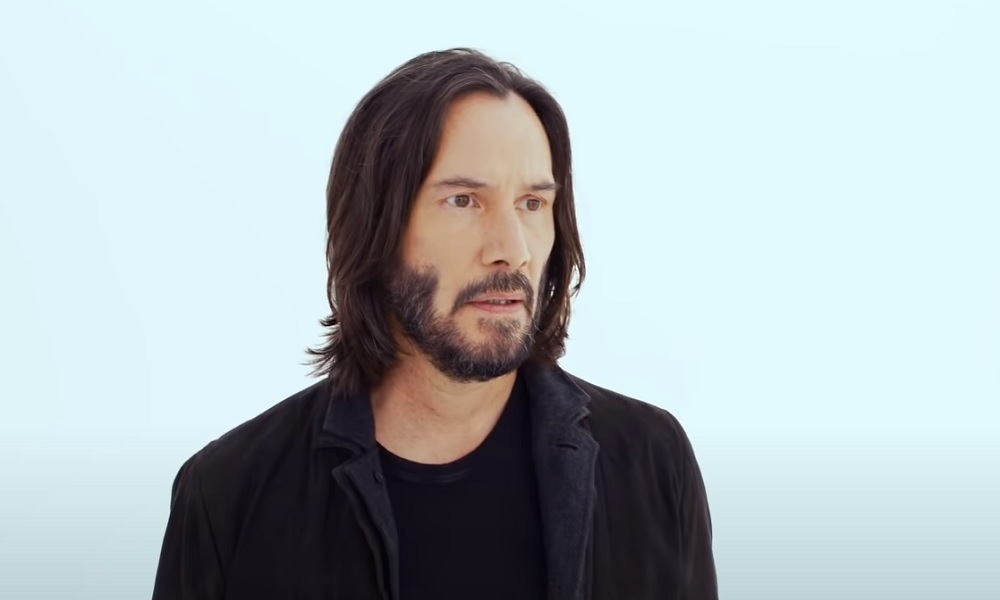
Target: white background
{"points": [[791, 214]]}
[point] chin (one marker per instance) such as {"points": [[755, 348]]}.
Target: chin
{"points": [[491, 328]]}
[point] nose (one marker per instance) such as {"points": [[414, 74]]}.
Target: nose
{"points": [[505, 240]]}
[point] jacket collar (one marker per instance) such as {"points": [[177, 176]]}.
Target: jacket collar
{"points": [[348, 422], [557, 403], [565, 454], [565, 461]]}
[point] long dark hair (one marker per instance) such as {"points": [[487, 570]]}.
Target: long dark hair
{"points": [[382, 158]]}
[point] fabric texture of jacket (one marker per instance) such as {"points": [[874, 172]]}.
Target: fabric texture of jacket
{"points": [[293, 503]]}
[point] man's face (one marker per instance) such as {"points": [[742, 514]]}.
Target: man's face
{"points": [[478, 240]]}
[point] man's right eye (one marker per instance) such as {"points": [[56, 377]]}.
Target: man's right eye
{"points": [[460, 200]]}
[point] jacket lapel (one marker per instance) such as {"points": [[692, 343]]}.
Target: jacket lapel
{"points": [[565, 459]]}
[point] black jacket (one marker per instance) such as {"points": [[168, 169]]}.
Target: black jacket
{"points": [[293, 503]]}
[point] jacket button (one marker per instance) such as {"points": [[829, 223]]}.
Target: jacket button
{"points": [[379, 478]]}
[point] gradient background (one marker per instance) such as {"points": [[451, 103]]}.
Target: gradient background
{"points": [[792, 218]]}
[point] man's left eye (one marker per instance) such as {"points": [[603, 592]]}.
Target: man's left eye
{"points": [[533, 204]]}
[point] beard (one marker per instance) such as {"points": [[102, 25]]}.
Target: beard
{"points": [[508, 341]]}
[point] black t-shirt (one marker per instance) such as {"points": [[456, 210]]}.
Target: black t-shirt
{"points": [[471, 528]]}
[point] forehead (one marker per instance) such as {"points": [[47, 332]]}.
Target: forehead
{"points": [[494, 138]]}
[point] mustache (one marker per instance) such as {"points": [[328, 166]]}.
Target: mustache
{"points": [[506, 283]]}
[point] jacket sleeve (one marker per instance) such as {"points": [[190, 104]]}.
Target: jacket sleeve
{"points": [[190, 567], [699, 576]]}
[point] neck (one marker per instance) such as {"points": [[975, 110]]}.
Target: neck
{"points": [[423, 416]]}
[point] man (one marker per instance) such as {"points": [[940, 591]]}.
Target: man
{"points": [[444, 454]]}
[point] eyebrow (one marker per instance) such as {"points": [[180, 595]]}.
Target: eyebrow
{"points": [[469, 182]]}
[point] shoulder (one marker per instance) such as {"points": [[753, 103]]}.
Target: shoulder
{"points": [[613, 413], [214, 490], [634, 434], [651, 482], [256, 446]]}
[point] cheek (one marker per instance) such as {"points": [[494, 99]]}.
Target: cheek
{"points": [[432, 248], [450, 265], [542, 244]]}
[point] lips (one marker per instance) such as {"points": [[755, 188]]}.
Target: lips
{"points": [[500, 304], [496, 302], [501, 292], [499, 299]]}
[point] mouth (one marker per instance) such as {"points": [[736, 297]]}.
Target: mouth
{"points": [[498, 305]]}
